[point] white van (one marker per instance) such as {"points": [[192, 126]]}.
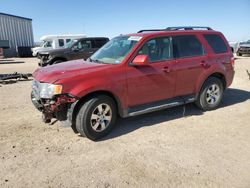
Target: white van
{"points": [[54, 42]]}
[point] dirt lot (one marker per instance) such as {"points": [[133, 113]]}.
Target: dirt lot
{"points": [[162, 149]]}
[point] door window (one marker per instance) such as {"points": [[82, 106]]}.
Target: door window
{"points": [[68, 40], [61, 42], [158, 49], [187, 46], [86, 44], [48, 44], [98, 43]]}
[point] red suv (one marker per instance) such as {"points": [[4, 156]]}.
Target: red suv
{"points": [[136, 74]]}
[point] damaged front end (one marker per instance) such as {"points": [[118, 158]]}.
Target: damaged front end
{"points": [[51, 103], [45, 59]]}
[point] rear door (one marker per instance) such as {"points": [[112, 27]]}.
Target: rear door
{"points": [[220, 48], [156, 81], [191, 59]]}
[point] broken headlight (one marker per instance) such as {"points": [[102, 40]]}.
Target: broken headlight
{"points": [[47, 91]]}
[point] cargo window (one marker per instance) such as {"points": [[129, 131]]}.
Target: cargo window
{"points": [[187, 46], [61, 42], [217, 43], [68, 40]]}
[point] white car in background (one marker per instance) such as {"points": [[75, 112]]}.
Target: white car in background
{"points": [[54, 42]]}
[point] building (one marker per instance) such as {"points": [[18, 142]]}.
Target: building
{"points": [[17, 30]]}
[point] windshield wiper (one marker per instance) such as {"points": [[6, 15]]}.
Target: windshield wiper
{"points": [[97, 61], [89, 59]]}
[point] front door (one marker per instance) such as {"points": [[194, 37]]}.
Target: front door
{"points": [[82, 50], [156, 81]]}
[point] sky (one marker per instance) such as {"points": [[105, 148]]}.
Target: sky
{"points": [[114, 17]]}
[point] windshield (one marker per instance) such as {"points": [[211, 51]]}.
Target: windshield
{"points": [[47, 44], [115, 51], [70, 44]]}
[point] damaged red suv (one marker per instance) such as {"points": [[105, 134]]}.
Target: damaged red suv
{"points": [[136, 74]]}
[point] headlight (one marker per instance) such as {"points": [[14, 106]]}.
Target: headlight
{"points": [[47, 91]]}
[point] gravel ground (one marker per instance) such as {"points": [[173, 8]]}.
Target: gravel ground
{"points": [[162, 149]]}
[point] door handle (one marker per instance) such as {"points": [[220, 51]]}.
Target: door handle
{"points": [[91, 52], [166, 69], [204, 64]]}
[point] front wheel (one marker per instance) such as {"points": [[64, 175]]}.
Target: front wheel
{"points": [[96, 117], [211, 94]]}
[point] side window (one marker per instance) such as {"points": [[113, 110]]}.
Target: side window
{"points": [[48, 44], [98, 43], [68, 40], [217, 43], [187, 46], [158, 49], [86, 44], [61, 42]]}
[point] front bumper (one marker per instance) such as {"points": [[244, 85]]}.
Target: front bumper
{"points": [[57, 108], [44, 61]]}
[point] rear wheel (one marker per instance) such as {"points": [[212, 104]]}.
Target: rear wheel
{"points": [[96, 117], [211, 94], [239, 54]]}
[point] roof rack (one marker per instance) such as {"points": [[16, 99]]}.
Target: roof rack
{"points": [[150, 30], [188, 28], [177, 28]]}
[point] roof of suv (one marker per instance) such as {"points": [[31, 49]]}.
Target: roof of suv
{"points": [[91, 38], [174, 30], [156, 33]]}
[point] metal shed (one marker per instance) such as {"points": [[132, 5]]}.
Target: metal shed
{"points": [[17, 30]]}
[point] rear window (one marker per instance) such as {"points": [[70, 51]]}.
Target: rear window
{"points": [[187, 46], [217, 43]]}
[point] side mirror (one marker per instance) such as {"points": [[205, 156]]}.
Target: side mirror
{"points": [[140, 60]]}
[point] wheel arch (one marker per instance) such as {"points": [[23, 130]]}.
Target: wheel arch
{"points": [[81, 101], [218, 75]]}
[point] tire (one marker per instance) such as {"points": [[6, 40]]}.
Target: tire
{"points": [[210, 95], [239, 54], [90, 121]]}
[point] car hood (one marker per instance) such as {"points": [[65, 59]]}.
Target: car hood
{"points": [[54, 73], [36, 48], [54, 51]]}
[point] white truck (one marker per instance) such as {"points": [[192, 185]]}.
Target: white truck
{"points": [[54, 42]]}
